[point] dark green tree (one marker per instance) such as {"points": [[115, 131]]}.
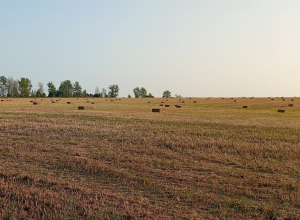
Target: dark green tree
{"points": [[143, 92], [150, 95], [51, 89], [166, 94], [113, 91], [77, 90], [66, 89], [25, 87], [136, 92]]}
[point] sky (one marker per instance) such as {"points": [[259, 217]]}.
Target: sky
{"points": [[194, 48]]}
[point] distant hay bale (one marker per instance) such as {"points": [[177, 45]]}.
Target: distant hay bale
{"points": [[148, 102], [178, 106], [158, 110], [283, 99], [87, 101], [111, 100], [53, 101], [292, 100], [36, 103], [69, 102], [182, 102], [234, 100], [245, 106], [92, 102], [85, 108], [167, 106], [162, 102], [166, 99], [195, 102], [31, 101], [281, 110], [272, 99], [161, 105], [291, 105]]}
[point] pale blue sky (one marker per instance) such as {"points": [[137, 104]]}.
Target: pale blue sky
{"points": [[193, 48]]}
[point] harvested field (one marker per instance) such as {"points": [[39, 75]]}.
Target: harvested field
{"points": [[213, 160]]}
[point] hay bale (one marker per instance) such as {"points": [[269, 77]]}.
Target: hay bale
{"points": [[167, 106], [158, 110], [92, 102], [281, 110], [245, 106], [53, 102], [69, 102], [31, 101], [272, 99], [182, 102], [283, 99], [161, 105], [292, 100], [87, 101], [85, 108], [162, 102], [36, 103], [178, 106], [234, 100], [195, 102], [148, 102], [291, 105]]}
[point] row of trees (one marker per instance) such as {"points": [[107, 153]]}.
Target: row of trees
{"points": [[23, 88], [10, 87]]}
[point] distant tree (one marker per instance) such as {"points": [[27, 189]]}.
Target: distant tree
{"points": [[178, 96], [33, 93], [84, 94], [104, 93], [150, 95], [136, 92], [129, 96], [66, 89], [15, 89], [25, 87], [77, 89], [166, 94], [143, 92], [113, 91], [97, 92], [51, 89], [3, 86], [40, 91]]}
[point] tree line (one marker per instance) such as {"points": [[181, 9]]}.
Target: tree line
{"points": [[10, 87]]}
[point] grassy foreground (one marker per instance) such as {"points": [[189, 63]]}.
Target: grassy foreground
{"points": [[208, 160]]}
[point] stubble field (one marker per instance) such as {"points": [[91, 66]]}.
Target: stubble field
{"points": [[211, 159]]}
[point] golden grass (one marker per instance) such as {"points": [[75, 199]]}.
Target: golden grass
{"points": [[213, 160]]}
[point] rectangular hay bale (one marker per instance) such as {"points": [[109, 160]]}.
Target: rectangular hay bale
{"points": [[245, 106], [158, 110], [85, 107], [281, 110]]}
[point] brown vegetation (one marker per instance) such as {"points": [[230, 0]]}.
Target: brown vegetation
{"points": [[212, 160]]}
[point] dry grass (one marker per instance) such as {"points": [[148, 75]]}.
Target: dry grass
{"points": [[212, 160]]}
